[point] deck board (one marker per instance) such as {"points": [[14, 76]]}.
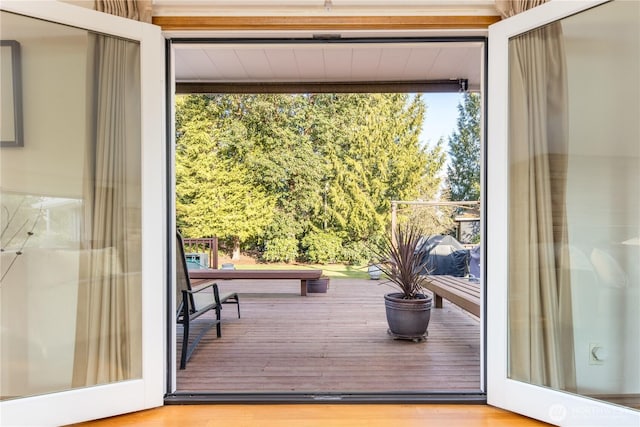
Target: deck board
{"points": [[333, 342], [458, 290]]}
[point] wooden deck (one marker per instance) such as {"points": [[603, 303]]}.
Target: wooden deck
{"points": [[333, 342]]}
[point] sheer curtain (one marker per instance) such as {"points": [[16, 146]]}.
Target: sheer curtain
{"points": [[512, 7], [540, 318], [140, 10], [108, 331]]}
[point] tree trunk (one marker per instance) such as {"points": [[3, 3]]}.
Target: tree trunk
{"points": [[236, 249]]}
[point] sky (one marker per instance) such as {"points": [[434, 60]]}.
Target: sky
{"points": [[441, 116]]}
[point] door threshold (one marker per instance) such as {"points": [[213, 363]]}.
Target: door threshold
{"points": [[182, 398]]}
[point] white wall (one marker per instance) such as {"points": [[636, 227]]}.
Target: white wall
{"points": [[603, 194], [54, 70]]}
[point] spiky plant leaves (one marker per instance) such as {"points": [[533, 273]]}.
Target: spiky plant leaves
{"points": [[401, 261]]}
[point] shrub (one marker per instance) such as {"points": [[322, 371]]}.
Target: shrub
{"points": [[281, 249], [322, 247], [356, 253]]}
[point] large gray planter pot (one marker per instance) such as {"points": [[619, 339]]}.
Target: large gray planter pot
{"points": [[408, 318]]}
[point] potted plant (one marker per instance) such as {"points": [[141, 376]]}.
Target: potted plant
{"points": [[409, 308]]}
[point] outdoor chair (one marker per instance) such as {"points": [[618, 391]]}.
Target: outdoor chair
{"points": [[193, 303]]}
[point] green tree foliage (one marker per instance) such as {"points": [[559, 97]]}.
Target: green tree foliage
{"points": [[299, 175], [463, 172], [215, 194], [370, 143]]}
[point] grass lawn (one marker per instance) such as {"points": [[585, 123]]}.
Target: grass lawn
{"points": [[338, 271]]}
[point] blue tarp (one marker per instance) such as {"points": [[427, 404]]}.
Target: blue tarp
{"points": [[474, 261]]}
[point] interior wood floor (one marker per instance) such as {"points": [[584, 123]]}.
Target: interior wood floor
{"points": [[333, 342], [309, 415]]}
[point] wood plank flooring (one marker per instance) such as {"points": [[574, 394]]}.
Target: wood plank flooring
{"points": [[333, 342], [311, 415]]}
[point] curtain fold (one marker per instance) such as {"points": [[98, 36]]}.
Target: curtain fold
{"points": [[108, 330], [540, 317], [139, 10], [509, 8]]}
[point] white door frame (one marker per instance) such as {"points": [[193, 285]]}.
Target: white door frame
{"points": [[542, 403], [425, 35], [102, 401]]}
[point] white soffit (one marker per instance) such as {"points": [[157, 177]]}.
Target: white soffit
{"points": [[329, 62]]}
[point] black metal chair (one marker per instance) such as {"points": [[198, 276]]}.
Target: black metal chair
{"points": [[193, 303]]}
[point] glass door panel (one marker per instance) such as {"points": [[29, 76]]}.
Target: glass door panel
{"points": [[71, 223], [569, 157], [75, 280]]}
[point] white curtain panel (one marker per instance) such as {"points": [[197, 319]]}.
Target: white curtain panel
{"points": [[108, 331], [540, 319]]}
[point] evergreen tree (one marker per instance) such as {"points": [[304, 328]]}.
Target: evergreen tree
{"points": [[215, 194], [279, 156], [371, 145], [463, 171]]}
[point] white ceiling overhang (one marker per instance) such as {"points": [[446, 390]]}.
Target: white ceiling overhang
{"points": [[373, 62]]}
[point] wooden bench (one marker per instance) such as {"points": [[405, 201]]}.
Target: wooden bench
{"points": [[302, 275], [459, 290]]}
